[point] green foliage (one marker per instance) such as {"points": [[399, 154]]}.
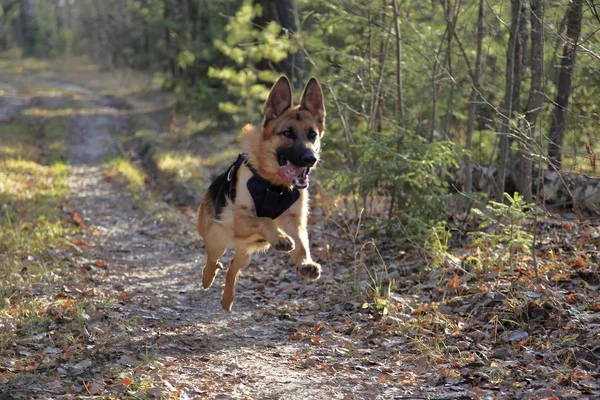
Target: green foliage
{"points": [[404, 168], [375, 152], [438, 244], [502, 227], [214, 54], [379, 283], [45, 36], [185, 59], [247, 46]]}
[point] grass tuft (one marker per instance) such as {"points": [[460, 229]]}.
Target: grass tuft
{"points": [[134, 177]]}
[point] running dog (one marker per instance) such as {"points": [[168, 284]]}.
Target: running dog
{"points": [[261, 201]]}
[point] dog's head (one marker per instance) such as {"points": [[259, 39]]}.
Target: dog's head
{"points": [[287, 147]]}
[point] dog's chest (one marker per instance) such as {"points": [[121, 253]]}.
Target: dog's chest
{"points": [[270, 201], [245, 186]]}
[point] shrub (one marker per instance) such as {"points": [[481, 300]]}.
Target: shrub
{"points": [[247, 47]]}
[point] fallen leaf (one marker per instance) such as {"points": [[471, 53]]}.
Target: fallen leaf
{"points": [[516, 336], [95, 387], [52, 350], [77, 220], [127, 360], [453, 283]]}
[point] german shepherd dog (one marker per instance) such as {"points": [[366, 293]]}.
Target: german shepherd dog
{"points": [[261, 200]]}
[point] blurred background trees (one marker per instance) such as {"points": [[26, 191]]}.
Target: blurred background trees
{"points": [[413, 87]]}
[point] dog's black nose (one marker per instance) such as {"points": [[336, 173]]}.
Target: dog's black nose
{"points": [[309, 158]]}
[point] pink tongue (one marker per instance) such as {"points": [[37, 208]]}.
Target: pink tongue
{"points": [[290, 172]]}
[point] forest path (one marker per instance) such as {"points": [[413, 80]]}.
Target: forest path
{"points": [[166, 337], [153, 252]]}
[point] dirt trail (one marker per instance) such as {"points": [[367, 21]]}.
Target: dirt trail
{"points": [[155, 256], [285, 339]]}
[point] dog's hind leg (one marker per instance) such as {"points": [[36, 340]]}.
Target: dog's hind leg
{"points": [[241, 259], [214, 251]]}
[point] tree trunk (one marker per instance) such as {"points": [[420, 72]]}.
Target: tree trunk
{"points": [[26, 26], [474, 96], [563, 87], [535, 101], [436, 76], [399, 91], [520, 59], [519, 66], [168, 16], [284, 13], [451, 16], [105, 53], [146, 40], [513, 67], [69, 13]]}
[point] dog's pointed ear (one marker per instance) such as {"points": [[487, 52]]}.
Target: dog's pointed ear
{"points": [[312, 99], [280, 99]]}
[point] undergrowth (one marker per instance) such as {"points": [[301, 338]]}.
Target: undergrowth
{"points": [[34, 230]]}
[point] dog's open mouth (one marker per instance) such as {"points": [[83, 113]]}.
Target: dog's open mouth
{"points": [[293, 174]]}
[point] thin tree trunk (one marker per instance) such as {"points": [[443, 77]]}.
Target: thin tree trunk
{"points": [[511, 61], [435, 84], [377, 108], [146, 40], [26, 25], [563, 87], [284, 13], [451, 18], [399, 92], [168, 15], [193, 15], [293, 63], [519, 66], [520, 59], [399, 103], [474, 97], [69, 13], [535, 101], [104, 51]]}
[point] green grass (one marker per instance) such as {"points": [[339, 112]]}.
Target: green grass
{"points": [[32, 219], [47, 293], [18, 65], [128, 172], [39, 140], [172, 155], [46, 297], [34, 227]]}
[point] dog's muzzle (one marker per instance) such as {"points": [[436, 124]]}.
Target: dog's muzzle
{"points": [[296, 172]]}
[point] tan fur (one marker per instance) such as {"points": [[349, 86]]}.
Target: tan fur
{"points": [[238, 224]]}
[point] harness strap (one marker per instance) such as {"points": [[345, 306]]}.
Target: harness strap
{"points": [[270, 200], [231, 173]]}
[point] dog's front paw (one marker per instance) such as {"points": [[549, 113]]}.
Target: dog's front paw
{"points": [[285, 244], [209, 273], [310, 271], [227, 301]]}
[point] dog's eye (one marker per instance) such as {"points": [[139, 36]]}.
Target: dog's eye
{"points": [[312, 135], [288, 133]]}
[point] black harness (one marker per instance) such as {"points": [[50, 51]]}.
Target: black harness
{"points": [[270, 200]]}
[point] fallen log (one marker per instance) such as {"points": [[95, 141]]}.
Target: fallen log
{"points": [[557, 188]]}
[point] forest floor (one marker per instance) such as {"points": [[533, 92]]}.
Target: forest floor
{"points": [[100, 293]]}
